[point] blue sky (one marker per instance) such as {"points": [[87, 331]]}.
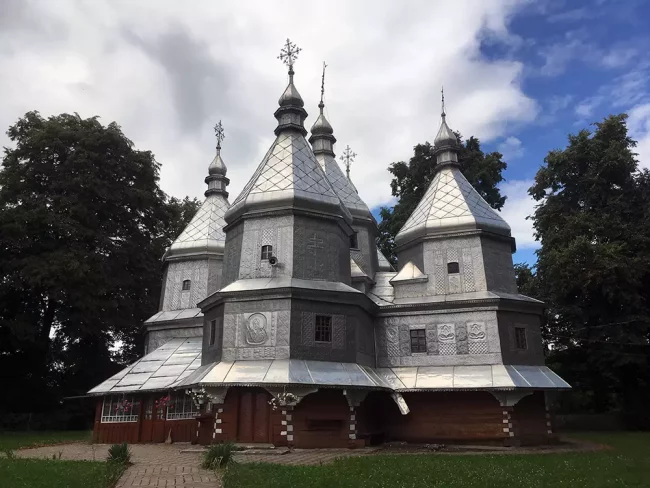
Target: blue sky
{"points": [[518, 74]]}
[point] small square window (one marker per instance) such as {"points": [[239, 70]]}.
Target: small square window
{"points": [[267, 252], [418, 340], [520, 338], [187, 284], [453, 268], [354, 241], [213, 331], [323, 328]]}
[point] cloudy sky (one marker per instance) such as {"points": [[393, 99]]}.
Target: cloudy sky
{"points": [[519, 75]]}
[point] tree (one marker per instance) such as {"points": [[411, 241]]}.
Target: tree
{"points": [[593, 270], [83, 224], [411, 180]]}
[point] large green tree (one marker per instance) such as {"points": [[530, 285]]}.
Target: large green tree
{"points": [[411, 180], [593, 270], [83, 224]]}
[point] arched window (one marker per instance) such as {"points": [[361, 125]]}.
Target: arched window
{"points": [[267, 252], [187, 284], [453, 268]]}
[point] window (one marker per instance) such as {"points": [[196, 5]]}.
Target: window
{"points": [[213, 331], [186, 285], [120, 408], [453, 268], [418, 340], [354, 241], [520, 338], [181, 407], [267, 252], [323, 329]]}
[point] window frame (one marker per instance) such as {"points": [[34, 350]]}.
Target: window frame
{"points": [[323, 329], [420, 338], [213, 332], [453, 265], [354, 241], [267, 252], [188, 287], [110, 415], [521, 338], [181, 407]]}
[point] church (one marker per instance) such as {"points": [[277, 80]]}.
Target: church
{"points": [[280, 321]]}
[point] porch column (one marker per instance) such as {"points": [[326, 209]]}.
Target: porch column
{"points": [[508, 400]]}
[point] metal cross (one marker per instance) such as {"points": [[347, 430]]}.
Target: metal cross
{"points": [[322, 83], [219, 132], [348, 157], [289, 54]]}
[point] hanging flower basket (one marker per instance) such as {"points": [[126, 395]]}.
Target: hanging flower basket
{"points": [[164, 401], [283, 399]]}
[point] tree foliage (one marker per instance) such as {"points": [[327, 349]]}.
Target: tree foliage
{"points": [[83, 224], [411, 180], [593, 270]]}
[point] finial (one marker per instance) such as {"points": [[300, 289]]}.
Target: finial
{"points": [[348, 157], [322, 89], [442, 91], [289, 54], [220, 134]]}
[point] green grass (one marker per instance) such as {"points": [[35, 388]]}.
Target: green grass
{"points": [[18, 440], [626, 464], [44, 473], [49, 473]]}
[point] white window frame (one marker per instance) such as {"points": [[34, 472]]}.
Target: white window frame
{"points": [[111, 416], [181, 407]]}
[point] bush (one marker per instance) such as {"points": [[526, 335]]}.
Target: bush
{"points": [[119, 453], [219, 455]]}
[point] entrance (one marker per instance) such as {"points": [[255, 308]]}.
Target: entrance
{"points": [[254, 416], [153, 422]]}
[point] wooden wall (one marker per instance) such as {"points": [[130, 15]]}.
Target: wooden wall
{"points": [[529, 416], [322, 419], [154, 430]]}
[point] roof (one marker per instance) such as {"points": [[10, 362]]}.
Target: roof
{"points": [[409, 272], [451, 204], [495, 377], [288, 176], [344, 187], [286, 372], [384, 264], [286, 282], [161, 369], [166, 316], [204, 234]]}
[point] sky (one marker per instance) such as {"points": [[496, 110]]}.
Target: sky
{"points": [[519, 75]]}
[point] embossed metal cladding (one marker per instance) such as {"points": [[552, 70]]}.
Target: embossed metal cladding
{"points": [[451, 203], [289, 175], [161, 369], [322, 140], [204, 234]]}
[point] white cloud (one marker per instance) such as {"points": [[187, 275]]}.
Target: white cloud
{"points": [[519, 205], [511, 148], [587, 106], [166, 73], [639, 128]]}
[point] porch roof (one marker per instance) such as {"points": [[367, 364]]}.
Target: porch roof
{"points": [[161, 369]]}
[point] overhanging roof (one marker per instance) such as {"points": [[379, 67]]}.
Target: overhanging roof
{"points": [[161, 369]]}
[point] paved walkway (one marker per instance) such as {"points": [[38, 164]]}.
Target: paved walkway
{"points": [[153, 464]]}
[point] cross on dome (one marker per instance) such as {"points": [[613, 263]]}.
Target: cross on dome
{"points": [[348, 157], [220, 134], [289, 54]]}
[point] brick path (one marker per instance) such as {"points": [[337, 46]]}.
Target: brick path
{"points": [[153, 464]]}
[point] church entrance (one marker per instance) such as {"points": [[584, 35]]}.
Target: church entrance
{"points": [[253, 416]]}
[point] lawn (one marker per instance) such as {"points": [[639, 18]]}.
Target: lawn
{"points": [[17, 440], [626, 464], [48, 473]]}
